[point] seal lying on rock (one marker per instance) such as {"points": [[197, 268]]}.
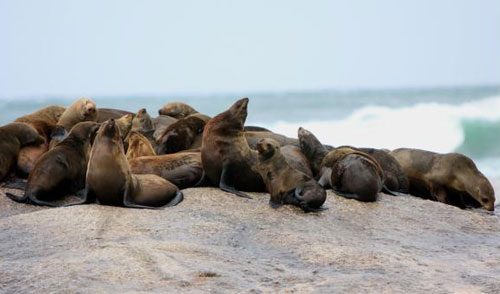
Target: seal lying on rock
{"points": [[138, 146], [110, 181], [181, 134], [450, 178], [61, 171], [227, 159], [182, 169], [352, 174], [13, 137], [177, 110], [286, 184]]}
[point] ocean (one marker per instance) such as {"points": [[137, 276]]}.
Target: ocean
{"points": [[464, 119]]}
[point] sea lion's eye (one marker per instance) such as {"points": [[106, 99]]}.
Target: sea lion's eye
{"points": [[485, 200]]}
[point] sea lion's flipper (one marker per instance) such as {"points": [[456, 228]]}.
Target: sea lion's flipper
{"points": [[18, 184], [27, 200], [202, 180], [390, 192], [83, 194], [438, 192], [307, 209], [20, 199], [275, 205], [324, 180], [179, 196], [225, 184]]}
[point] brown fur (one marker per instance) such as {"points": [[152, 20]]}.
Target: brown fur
{"points": [[138, 146], [180, 135], [182, 169], [83, 109], [286, 184], [450, 178], [177, 110], [352, 174], [61, 171], [103, 114], [125, 124], [225, 148], [161, 123], [296, 159], [110, 181], [254, 137], [13, 137]]}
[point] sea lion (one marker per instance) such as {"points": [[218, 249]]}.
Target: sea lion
{"points": [[161, 122], [13, 136], [352, 174], [312, 149], [138, 146], [44, 121], [450, 178], [395, 180], [180, 135], [110, 181], [286, 184], [142, 121], [83, 109], [61, 171], [177, 110], [103, 114], [125, 124], [227, 159], [183, 169]]}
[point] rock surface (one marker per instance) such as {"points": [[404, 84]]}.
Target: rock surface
{"points": [[217, 242]]}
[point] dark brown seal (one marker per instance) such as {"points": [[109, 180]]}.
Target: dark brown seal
{"points": [[312, 149], [138, 146], [352, 174], [161, 122], [13, 137], [450, 178], [177, 110], [227, 159], [61, 171], [182, 169], [110, 181], [180, 135], [286, 184]]}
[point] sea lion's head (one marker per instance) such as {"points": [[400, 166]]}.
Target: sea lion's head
{"points": [[110, 129], [479, 187], [266, 148], [177, 110], [125, 124], [312, 148], [238, 112], [142, 121], [88, 109], [85, 130]]}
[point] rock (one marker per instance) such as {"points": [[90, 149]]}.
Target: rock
{"points": [[217, 242]]}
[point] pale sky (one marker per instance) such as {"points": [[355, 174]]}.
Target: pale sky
{"points": [[158, 47]]}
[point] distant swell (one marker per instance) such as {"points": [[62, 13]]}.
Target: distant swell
{"points": [[471, 128]]}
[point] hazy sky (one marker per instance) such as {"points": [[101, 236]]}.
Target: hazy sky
{"points": [[158, 47]]}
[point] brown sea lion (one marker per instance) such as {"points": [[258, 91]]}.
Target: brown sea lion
{"points": [[180, 135], [450, 178], [182, 169], [142, 121], [161, 122], [312, 149], [125, 124], [227, 159], [352, 174], [138, 146], [61, 171], [103, 114], [110, 181], [44, 121], [83, 109], [13, 137], [286, 184], [395, 180], [177, 110]]}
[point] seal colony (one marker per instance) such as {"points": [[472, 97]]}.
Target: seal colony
{"points": [[115, 157]]}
